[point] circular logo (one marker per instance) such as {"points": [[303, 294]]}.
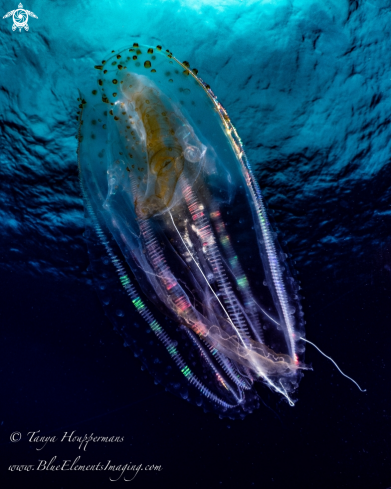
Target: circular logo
{"points": [[20, 18]]}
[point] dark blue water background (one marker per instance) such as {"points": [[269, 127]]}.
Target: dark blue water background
{"points": [[307, 84]]}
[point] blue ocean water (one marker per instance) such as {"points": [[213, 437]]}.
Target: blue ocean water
{"points": [[306, 84]]}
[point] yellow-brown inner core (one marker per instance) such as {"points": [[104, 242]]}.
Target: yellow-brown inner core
{"points": [[165, 154]]}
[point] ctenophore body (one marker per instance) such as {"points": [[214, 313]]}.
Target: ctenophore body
{"points": [[184, 258]]}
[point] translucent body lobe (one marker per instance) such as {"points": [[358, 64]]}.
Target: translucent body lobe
{"points": [[171, 198]]}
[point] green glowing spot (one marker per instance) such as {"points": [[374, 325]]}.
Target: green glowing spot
{"points": [[125, 280], [186, 371], [138, 303], [155, 326], [242, 282], [172, 351]]}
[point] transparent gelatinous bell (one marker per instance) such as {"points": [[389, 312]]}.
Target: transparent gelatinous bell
{"points": [[205, 294]]}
